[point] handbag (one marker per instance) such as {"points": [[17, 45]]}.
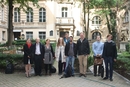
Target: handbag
{"points": [[98, 61]]}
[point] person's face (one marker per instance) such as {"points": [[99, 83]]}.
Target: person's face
{"points": [[48, 42], [66, 35], [61, 40], [28, 41], [98, 38], [37, 40], [71, 39], [81, 35], [109, 38]]}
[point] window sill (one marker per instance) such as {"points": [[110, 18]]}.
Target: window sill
{"points": [[96, 24], [41, 22], [30, 23]]}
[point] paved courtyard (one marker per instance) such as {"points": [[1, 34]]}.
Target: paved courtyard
{"points": [[18, 79]]}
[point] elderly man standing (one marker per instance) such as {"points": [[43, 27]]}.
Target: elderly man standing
{"points": [[38, 51], [83, 51], [97, 48]]}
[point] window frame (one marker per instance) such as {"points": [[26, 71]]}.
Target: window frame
{"points": [[29, 15], [42, 15], [43, 34], [30, 35], [16, 14], [64, 12], [96, 20]]}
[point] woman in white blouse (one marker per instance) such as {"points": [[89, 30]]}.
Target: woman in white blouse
{"points": [[60, 54]]}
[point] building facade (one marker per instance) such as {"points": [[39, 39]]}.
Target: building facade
{"points": [[3, 23], [53, 18]]}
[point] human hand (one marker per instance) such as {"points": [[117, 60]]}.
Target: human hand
{"points": [[115, 60]]}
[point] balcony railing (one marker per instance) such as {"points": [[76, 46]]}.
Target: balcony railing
{"points": [[61, 20]]}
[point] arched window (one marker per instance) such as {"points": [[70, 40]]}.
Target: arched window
{"points": [[96, 20], [42, 15], [16, 15], [51, 33], [95, 34], [64, 11], [126, 17], [30, 15]]}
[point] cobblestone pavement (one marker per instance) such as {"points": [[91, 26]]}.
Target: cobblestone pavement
{"points": [[18, 79]]}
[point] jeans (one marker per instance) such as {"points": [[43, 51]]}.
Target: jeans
{"points": [[70, 60], [109, 60]]}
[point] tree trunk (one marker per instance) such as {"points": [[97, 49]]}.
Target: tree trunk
{"points": [[87, 22], [84, 19], [108, 24], [10, 23]]}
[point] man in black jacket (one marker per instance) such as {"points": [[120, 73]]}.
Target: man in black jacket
{"points": [[38, 51], [109, 55], [83, 51], [70, 53]]}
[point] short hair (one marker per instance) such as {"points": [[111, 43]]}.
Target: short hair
{"points": [[71, 37], [109, 35]]}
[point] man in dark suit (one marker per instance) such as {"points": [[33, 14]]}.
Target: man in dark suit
{"points": [[70, 53], [38, 51], [109, 55]]}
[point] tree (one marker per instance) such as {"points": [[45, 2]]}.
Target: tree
{"points": [[11, 3], [109, 9]]}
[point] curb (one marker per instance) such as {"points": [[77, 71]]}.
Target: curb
{"points": [[122, 77]]}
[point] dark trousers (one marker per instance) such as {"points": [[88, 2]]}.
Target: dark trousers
{"points": [[38, 64], [60, 67], [109, 60], [99, 69], [46, 68], [64, 66]]}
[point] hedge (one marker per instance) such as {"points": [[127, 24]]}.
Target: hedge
{"points": [[9, 57]]}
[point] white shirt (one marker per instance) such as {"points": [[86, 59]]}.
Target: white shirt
{"points": [[37, 51]]}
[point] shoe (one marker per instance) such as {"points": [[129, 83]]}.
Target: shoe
{"points": [[40, 75], [72, 75], [84, 75], [111, 79], [98, 74], [105, 78], [50, 74], [80, 75], [95, 75]]}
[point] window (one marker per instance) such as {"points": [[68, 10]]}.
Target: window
{"points": [[95, 34], [29, 35], [42, 35], [78, 33], [64, 11], [42, 15], [96, 20], [126, 17], [2, 13], [51, 33], [3, 35], [30, 15], [16, 15]]}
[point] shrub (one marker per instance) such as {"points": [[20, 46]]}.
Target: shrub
{"points": [[128, 47], [123, 61], [9, 57]]}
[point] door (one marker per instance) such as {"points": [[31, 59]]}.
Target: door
{"points": [[16, 35], [62, 34]]}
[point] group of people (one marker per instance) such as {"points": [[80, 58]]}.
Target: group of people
{"points": [[65, 53]]}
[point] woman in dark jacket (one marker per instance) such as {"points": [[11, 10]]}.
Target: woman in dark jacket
{"points": [[28, 56]]}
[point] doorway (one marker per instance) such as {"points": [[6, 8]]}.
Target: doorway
{"points": [[17, 35]]}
